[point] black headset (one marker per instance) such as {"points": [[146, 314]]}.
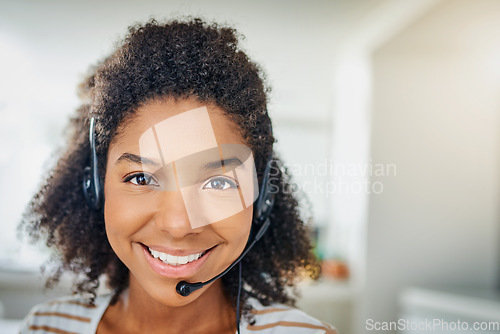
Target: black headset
{"points": [[92, 188]]}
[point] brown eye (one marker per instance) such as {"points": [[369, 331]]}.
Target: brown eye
{"points": [[141, 179]]}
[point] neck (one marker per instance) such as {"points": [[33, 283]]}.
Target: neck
{"points": [[211, 312]]}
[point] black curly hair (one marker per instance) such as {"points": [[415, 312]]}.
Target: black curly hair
{"points": [[178, 59]]}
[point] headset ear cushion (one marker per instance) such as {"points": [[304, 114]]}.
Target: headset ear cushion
{"points": [[265, 201], [89, 188]]}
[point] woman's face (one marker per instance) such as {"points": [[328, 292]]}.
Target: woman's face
{"points": [[179, 189]]}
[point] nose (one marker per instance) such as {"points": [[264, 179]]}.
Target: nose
{"points": [[172, 216]]}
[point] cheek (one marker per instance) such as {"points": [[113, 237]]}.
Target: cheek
{"points": [[122, 216], [236, 230]]}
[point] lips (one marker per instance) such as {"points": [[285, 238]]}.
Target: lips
{"points": [[172, 265]]}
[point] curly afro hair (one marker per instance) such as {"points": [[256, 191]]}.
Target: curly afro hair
{"points": [[178, 59]]}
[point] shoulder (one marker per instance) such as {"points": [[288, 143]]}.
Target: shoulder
{"points": [[282, 319], [74, 314]]}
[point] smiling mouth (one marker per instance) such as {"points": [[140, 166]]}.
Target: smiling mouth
{"points": [[174, 260]]}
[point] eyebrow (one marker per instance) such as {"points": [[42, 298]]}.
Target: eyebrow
{"points": [[230, 162], [134, 158]]}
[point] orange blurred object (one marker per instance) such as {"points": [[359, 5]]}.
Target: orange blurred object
{"points": [[334, 269]]}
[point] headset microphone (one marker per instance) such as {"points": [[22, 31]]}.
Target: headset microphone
{"points": [[185, 289]]}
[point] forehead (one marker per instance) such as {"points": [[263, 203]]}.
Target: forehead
{"points": [[186, 119]]}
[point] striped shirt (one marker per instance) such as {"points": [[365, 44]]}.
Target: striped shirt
{"points": [[71, 315]]}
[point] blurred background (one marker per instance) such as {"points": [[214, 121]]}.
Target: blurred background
{"points": [[387, 112]]}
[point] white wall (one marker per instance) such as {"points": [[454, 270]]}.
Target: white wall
{"points": [[436, 115]]}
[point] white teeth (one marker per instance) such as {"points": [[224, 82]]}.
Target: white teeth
{"points": [[170, 259], [174, 260]]}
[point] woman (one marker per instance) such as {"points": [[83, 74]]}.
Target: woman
{"points": [[184, 210]]}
